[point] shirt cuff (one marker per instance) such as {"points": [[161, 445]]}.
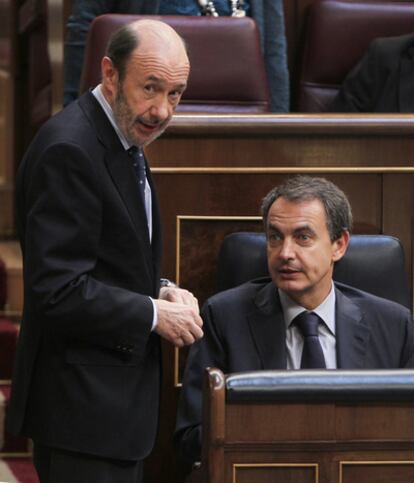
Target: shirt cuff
{"points": [[155, 316]]}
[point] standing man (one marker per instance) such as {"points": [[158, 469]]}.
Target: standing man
{"points": [[87, 376], [299, 318]]}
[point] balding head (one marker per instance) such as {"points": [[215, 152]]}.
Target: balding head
{"points": [[150, 31], [144, 36]]}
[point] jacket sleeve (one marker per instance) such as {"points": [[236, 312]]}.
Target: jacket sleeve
{"points": [[358, 91]]}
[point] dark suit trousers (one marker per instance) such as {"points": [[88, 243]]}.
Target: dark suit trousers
{"points": [[55, 465]]}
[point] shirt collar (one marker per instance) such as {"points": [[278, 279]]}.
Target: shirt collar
{"points": [[326, 310], [97, 92]]}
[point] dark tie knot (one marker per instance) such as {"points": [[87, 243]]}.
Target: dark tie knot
{"points": [[308, 323], [136, 153], [132, 151]]}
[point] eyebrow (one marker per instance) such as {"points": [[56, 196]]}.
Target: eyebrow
{"points": [[304, 228], [272, 227], [299, 229], [154, 78]]}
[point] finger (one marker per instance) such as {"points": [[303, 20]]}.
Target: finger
{"points": [[178, 342], [187, 338], [194, 304], [196, 332], [198, 320]]}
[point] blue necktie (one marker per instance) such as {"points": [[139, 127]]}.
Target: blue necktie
{"points": [[138, 163], [312, 355]]}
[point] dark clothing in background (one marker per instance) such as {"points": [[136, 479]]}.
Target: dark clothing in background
{"points": [[383, 81]]}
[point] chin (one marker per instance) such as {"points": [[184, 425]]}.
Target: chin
{"points": [[153, 137], [290, 288]]}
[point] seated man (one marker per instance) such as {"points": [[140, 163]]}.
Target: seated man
{"points": [[383, 81], [299, 318]]}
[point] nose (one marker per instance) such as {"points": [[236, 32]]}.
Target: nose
{"points": [[161, 108], [287, 251]]}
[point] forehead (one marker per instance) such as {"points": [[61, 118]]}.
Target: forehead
{"points": [[310, 212], [169, 65]]}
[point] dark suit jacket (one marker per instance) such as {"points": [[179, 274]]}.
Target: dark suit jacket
{"points": [[244, 330], [88, 366], [383, 81]]}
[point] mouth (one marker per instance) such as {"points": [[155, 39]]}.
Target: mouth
{"points": [[148, 127], [288, 272]]}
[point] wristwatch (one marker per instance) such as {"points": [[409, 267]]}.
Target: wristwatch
{"points": [[164, 282]]}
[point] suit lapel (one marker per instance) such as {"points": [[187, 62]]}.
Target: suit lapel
{"points": [[120, 169], [123, 176], [352, 334], [406, 74], [268, 329]]}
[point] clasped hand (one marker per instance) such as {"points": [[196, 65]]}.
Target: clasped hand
{"points": [[179, 318]]}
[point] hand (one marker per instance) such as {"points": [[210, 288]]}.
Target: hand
{"points": [[180, 295], [178, 322]]}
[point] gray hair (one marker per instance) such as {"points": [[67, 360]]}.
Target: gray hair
{"points": [[305, 188], [120, 47]]}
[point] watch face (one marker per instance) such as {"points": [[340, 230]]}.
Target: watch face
{"points": [[164, 282]]}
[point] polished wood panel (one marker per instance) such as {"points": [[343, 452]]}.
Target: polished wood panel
{"points": [[10, 254], [57, 12], [363, 143], [7, 152], [276, 473], [307, 421], [198, 243], [285, 441], [25, 96], [319, 422], [8, 78], [377, 472], [398, 209]]}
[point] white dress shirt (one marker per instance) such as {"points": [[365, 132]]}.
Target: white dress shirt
{"points": [[326, 329]]}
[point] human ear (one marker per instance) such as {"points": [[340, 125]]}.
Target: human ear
{"points": [[109, 77], [340, 246]]}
